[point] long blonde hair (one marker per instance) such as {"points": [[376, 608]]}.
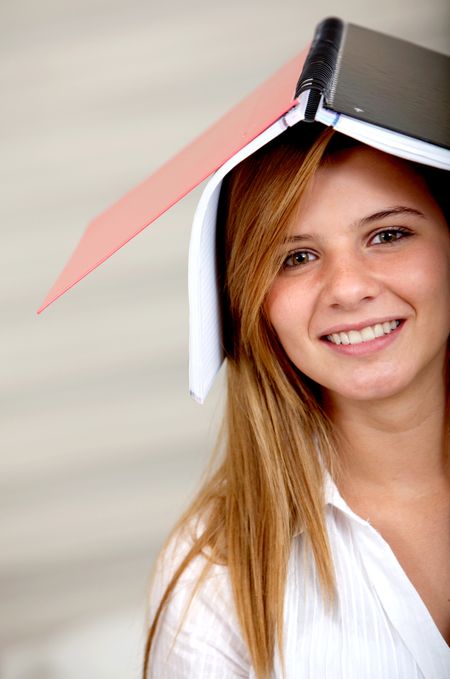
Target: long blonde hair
{"points": [[269, 484]]}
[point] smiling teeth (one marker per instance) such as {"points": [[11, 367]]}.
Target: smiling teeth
{"points": [[365, 334]]}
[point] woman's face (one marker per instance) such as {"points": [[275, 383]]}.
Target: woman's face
{"points": [[361, 304]]}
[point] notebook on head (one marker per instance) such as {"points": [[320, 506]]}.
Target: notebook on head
{"points": [[381, 90]]}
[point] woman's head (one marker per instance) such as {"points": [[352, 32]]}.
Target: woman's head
{"points": [[325, 236]]}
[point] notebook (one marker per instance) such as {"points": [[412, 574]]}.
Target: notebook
{"points": [[381, 90]]}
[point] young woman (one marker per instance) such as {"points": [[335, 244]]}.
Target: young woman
{"points": [[320, 546]]}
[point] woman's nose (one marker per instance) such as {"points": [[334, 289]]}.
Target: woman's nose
{"points": [[349, 282]]}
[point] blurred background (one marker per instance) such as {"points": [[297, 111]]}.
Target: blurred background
{"points": [[101, 446]]}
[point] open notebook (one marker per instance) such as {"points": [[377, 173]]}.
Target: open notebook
{"points": [[381, 90]]}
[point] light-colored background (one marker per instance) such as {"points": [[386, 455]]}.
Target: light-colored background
{"points": [[101, 446]]}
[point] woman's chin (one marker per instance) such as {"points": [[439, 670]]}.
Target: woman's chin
{"points": [[375, 389]]}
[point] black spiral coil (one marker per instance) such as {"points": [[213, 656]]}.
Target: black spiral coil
{"points": [[320, 63]]}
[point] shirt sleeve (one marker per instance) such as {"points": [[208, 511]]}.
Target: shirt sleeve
{"points": [[199, 637]]}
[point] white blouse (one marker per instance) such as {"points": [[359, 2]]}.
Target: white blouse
{"points": [[381, 628]]}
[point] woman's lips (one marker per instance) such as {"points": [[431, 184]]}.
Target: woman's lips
{"points": [[365, 341]]}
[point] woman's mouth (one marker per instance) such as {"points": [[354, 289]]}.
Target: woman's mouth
{"points": [[366, 334]]}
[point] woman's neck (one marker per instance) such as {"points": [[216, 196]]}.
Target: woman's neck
{"points": [[395, 445]]}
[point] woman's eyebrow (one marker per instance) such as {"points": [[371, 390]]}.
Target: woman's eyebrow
{"points": [[389, 212], [376, 216], [298, 237]]}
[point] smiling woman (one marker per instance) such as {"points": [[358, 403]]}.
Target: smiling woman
{"points": [[303, 555], [363, 307]]}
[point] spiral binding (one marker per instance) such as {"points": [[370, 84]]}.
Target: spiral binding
{"points": [[320, 63]]}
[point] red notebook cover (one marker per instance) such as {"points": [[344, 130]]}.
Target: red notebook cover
{"points": [[130, 215]]}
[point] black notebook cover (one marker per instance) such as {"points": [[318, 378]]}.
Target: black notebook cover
{"points": [[379, 79]]}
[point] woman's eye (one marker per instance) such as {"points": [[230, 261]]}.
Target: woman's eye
{"points": [[298, 258], [389, 236]]}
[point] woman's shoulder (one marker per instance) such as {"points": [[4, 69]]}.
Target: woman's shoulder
{"points": [[197, 571], [198, 634]]}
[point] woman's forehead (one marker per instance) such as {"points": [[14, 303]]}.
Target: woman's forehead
{"points": [[367, 168], [352, 182]]}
